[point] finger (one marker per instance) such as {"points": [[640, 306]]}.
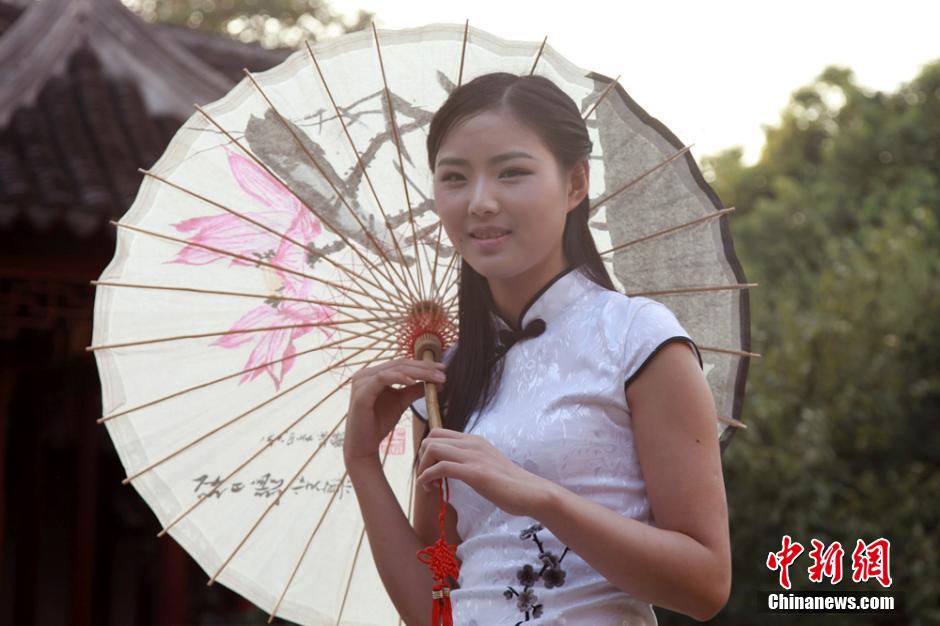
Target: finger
{"points": [[374, 385], [444, 469], [437, 452], [455, 436], [417, 371], [410, 375], [464, 442], [404, 361]]}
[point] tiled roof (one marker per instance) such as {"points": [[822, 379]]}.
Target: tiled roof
{"points": [[94, 95]]}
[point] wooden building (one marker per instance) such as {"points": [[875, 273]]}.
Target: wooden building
{"points": [[88, 93]]}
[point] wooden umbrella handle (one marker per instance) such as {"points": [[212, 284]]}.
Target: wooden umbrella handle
{"points": [[428, 347]]}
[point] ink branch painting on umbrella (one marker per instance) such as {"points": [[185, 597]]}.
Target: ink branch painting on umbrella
{"points": [[290, 220]]}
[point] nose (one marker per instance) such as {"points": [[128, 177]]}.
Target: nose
{"points": [[482, 200]]}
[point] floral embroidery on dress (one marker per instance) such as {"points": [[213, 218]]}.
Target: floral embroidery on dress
{"points": [[550, 572]]}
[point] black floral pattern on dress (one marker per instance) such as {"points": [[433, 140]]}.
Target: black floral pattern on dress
{"points": [[550, 572]]}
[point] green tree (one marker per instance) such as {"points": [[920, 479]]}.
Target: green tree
{"points": [[272, 23], [839, 222]]}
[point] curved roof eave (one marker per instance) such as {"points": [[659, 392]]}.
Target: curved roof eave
{"points": [[39, 44]]}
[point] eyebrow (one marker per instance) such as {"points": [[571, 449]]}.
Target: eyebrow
{"points": [[496, 159]]}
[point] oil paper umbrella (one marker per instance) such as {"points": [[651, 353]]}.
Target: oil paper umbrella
{"points": [[287, 238]]}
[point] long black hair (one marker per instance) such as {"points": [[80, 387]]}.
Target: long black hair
{"points": [[474, 369]]}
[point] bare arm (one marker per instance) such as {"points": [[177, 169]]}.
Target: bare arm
{"points": [[375, 407], [393, 541], [684, 563]]}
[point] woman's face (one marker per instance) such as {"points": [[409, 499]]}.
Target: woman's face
{"points": [[502, 198]]}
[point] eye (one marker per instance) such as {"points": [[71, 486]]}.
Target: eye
{"points": [[451, 176], [514, 171]]}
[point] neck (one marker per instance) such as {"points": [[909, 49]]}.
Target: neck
{"points": [[510, 295]]}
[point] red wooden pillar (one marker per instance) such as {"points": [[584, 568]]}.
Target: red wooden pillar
{"points": [[174, 563], [7, 384], [27, 505], [79, 389]]}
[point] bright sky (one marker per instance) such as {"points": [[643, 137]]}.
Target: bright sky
{"points": [[714, 71]]}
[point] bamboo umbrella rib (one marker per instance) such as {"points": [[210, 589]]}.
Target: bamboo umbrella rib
{"points": [[730, 421], [411, 510], [401, 162], [396, 307], [451, 302], [463, 51], [303, 553], [260, 451], [447, 270], [538, 55], [603, 95], [728, 351], [284, 489], [450, 285], [279, 394], [641, 177], [237, 294], [274, 297], [209, 383], [306, 547], [281, 492], [440, 226], [313, 534], [671, 229], [352, 570], [362, 166], [316, 164], [273, 231], [437, 257], [336, 231], [687, 290], [239, 331], [245, 463]]}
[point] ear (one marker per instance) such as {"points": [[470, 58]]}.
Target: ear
{"points": [[579, 179]]}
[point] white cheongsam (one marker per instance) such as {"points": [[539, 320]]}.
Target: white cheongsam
{"points": [[561, 413]]}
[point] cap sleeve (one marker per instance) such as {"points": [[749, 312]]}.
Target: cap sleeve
{"points": [[419, 407], [653, 327]]}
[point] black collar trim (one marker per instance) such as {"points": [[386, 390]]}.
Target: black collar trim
{"points": [[518, 326]]}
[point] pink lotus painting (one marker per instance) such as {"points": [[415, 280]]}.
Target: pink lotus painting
{"points": [[282, 212]]}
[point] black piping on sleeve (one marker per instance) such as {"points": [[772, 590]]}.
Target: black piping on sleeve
{"points": [[420, 417], [660, 347]]}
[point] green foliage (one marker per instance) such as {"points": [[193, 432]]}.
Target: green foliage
{"points": [[839, 222], [272, 23]]}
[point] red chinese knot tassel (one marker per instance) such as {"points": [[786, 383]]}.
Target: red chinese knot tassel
{"points": [[441, 559]]}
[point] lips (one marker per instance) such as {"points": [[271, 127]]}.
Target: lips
{"points": [[488, 232]]}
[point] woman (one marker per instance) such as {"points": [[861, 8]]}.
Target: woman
{"points": [[591, 487]]}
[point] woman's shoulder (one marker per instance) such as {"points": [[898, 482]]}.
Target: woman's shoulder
{"points": [[622, 312], [634, 325]]}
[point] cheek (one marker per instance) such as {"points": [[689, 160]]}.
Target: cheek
{"points": [[450, 218]]}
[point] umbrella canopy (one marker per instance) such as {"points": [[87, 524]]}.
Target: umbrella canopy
{"points": [[288, 237]]}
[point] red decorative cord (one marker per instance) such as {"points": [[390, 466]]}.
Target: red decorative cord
{"points": [[442, 561]]}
